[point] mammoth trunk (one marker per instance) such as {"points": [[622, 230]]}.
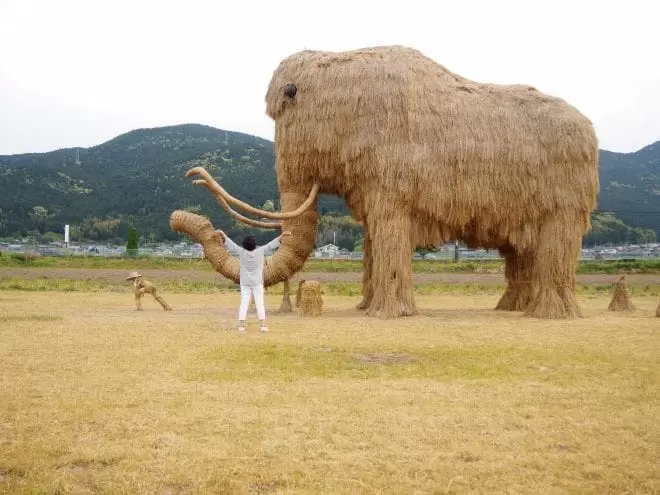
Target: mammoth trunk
{"points": [[284, 264], [200, 230], [294, 249]]}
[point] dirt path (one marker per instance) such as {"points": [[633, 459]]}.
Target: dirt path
{"points": [[204, 275]]}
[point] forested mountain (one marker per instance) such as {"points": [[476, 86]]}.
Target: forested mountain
{"points": [[137, 179], [630, 186]]}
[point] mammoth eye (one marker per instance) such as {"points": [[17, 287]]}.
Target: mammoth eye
{"points": [[290, 90]]}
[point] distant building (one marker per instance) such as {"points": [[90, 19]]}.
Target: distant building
{"points": [[328, 249]]}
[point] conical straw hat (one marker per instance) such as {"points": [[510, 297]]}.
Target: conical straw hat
{"points": [[133, 275]]}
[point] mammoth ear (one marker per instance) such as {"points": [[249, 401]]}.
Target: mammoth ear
{"points": [[290, 90]]}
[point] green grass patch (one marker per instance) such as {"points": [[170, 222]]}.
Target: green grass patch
{"points": [[31, 260], [8, 318], [277, 362], [651, 265], [347, 289]]}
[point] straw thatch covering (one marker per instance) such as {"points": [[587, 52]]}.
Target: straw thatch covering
{"points": [[621, 298], [285, 307], [422, 155], [311, 303], [517, 271]]}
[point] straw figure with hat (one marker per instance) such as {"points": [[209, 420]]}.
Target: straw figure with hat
{"points": [[141, 286], [421, 156]]}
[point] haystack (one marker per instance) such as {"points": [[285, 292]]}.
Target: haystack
{"points": [[621, 297], [285, 307], [495, 166], [311, 303]]}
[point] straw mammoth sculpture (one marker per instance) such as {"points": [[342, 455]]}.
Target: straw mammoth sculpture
{"points": [[423, 156]]}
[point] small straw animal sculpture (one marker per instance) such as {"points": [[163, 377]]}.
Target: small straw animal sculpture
{"points": [[141, 286]]}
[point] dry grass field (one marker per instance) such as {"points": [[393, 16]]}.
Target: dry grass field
{"points": [[98, 398]]}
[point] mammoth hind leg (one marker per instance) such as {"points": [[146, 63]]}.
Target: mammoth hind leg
{"points": [[517, 271], [367, 267], [554, 271]]}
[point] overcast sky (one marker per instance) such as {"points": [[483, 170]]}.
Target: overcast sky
{"points": [[80, 72]]}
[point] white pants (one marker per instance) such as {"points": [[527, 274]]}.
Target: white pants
{"points": [[246, 293]]}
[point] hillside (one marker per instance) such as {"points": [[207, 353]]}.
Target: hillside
{"points": [[137, 179], [630, 186]]}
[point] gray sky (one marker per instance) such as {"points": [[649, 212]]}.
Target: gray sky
{"points": [[80, 72]]}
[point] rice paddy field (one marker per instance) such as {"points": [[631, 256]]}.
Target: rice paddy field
{"points": [[96, 397]]}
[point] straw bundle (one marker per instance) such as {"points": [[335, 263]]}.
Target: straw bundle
{"points": [[285, 307], [311, 303], [621, 298]]}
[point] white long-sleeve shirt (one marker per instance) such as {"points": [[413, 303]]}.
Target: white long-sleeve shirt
{"points": [[252, 262]]}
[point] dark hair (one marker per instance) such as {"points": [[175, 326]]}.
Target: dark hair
{"points": [[250, 243]]}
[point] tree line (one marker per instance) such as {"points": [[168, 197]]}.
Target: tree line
{"points": [[335, 228]]}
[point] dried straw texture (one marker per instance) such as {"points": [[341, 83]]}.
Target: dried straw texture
{"points": [[200, 230], [423, 155], [299, 293], [141, 287], [621, 298], [286, 262], [311, 303], [517, 271], [285, 307]]}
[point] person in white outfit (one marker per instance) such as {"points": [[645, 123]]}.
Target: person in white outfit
{"points": [[251, 274]]}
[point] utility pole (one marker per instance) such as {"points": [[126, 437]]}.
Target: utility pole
{"points": [[455, 251]]}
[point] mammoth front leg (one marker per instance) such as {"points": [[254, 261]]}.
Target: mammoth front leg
{"points": [[367, 266], [553, 273], [391, 259]]}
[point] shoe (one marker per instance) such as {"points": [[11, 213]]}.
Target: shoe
{"points": [[263, 329], [241, 329]]}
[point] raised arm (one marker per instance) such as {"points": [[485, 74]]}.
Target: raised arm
{"points": [[231, 246], [275, 243]]}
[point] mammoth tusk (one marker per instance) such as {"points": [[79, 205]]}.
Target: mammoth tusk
{"points": [[235, 215], [213, 186]]}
